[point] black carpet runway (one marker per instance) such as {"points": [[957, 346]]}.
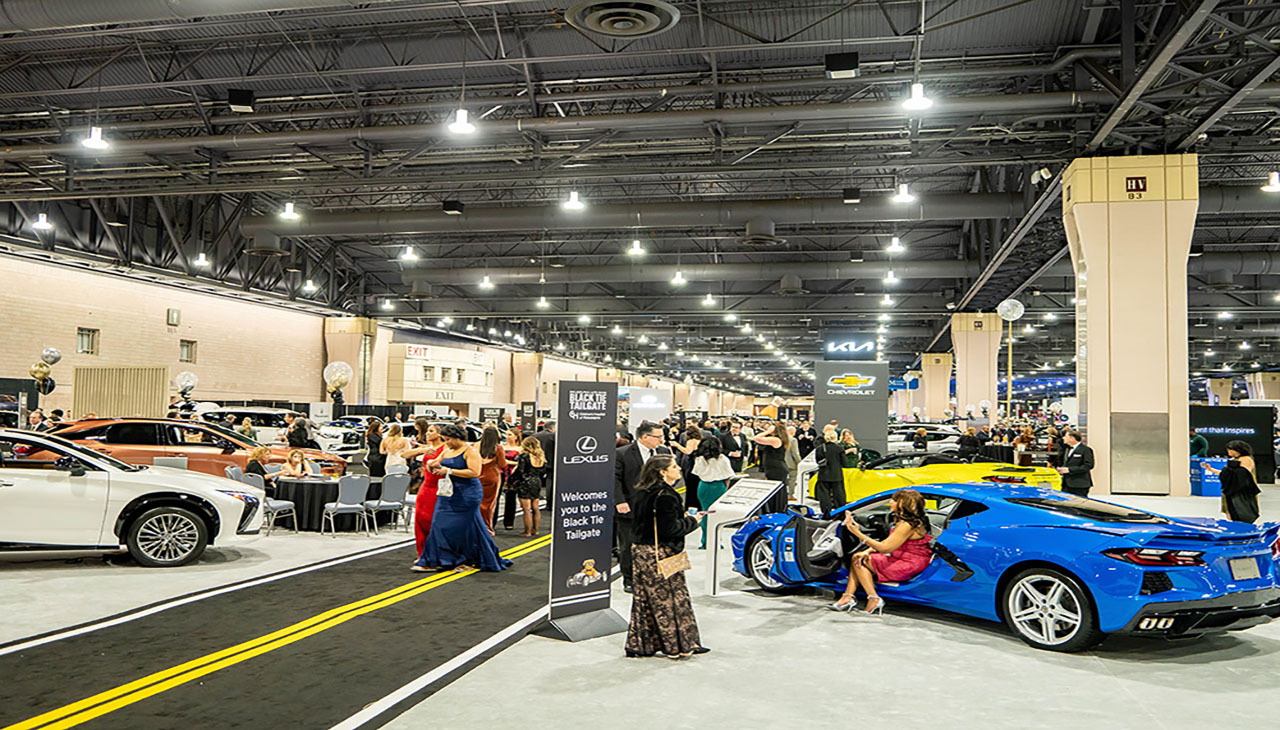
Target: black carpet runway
{"points": [[314, 682]]}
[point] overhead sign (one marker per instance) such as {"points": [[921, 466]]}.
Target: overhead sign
{"points": [[855, 395], [583, 508], [904, 384], [488, 414], [417, 352], [837, 345]]}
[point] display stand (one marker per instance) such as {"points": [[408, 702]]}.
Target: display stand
{"points": [[583, 626], [734, 508]]}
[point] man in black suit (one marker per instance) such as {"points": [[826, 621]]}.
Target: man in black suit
{"points": [[626, 472], [734, 445], [1077, 466]]}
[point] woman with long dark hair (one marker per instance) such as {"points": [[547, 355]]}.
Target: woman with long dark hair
{"points": [[430, 444], [375, 460], [688, 449], [494, 462], [662, 619], [772, 445], [713, 471], [899, 557], [459, 539], [1239, 483]]}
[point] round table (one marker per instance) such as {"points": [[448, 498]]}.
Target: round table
{"points": [[309, 496], [999, 452]]}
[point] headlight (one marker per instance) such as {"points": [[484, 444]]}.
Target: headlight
{"points": [[242, 496]]}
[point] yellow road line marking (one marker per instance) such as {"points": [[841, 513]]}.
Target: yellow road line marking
{"points": [[110, 700]]}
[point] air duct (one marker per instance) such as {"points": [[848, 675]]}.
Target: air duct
{"points": [[17, 16], [421, 290], [623, 18], [728, 213], [264, 243], [795, 273], [1227, 264]]}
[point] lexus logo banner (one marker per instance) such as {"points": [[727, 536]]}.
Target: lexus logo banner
{"points": [[582, 530], [855, 394]]}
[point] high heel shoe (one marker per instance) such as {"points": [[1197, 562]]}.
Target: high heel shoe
{"points": [[879, 607], [848, 607]]}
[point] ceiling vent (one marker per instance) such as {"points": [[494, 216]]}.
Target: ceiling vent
{"points": [[419, 289], [623, 19], [1217, 281], [791, 286], [760, 233], [265, 244]]}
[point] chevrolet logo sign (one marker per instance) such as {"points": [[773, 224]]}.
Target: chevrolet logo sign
{"points": [[851, 380]]}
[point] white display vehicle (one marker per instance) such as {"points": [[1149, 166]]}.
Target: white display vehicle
{"points": [[270, 426], [942, 439], [58, 496]]}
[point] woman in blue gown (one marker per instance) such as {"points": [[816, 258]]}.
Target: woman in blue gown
{"points": [[459, 538]]}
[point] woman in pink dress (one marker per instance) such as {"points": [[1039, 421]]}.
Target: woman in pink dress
{"points": [[899, 557], [424, 507]]}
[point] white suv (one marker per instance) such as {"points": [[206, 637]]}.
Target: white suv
{"points": [[56, 495]]}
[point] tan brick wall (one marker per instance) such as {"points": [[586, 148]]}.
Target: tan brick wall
{"points": [[245, 350]]}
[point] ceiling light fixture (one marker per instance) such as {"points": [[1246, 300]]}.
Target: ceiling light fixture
{"points": [[584, 318], [917, 102], [309, 286], [409, 254], [486, 282], [904, 194], [387, 304], [678, 279], [617, 330], [887, 301], [709, 301], [1273, 183], [202, 260], [462, 123], [730, 317], [895, 246], [636, 249], [574, 202], [543, 303], [95, 141], [289, 213], [42, 222], [889, 277], [1225, 315]]}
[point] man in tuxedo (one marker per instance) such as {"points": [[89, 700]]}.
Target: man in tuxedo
{"points": [[1077, 466], [626, 472], [734, 445]]}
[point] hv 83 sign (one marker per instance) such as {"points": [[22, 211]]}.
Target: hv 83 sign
{"points": [[582, 510]]}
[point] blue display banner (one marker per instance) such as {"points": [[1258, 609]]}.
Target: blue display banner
{"points": [[901, 384]]}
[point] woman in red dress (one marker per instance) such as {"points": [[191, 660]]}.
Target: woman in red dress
{"points": [[425, 506], [494, 462], [899, 557]]}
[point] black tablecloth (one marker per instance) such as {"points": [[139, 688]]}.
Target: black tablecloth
{"points": [[309, 497], [999, 452]]}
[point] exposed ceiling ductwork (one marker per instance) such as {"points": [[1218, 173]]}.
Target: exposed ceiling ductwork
{"points": [[960, 206], [623, 18], [34, 15], [793, 274]]}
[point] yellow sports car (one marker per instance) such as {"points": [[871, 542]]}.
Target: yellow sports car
{"points": [[909, 470]]}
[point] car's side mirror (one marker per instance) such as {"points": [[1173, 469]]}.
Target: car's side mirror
{"points": [[226, 446], [71, 465]]}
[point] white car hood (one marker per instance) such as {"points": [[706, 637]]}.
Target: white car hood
{"points": [[191, 481]]}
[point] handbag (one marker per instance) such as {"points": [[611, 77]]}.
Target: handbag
{"points": [[444, 487], [668, 567]]}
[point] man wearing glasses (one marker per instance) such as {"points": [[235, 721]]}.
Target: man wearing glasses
{"points": [[631, 459]]}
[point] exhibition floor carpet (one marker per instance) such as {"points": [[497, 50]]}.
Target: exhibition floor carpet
{"points": [[789, 662], [306, 651]]}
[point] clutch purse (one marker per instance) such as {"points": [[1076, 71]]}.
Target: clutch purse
{"points": [[444, 488], [668, 567]]}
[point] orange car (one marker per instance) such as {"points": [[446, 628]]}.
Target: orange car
{"points": [[208, 447]]}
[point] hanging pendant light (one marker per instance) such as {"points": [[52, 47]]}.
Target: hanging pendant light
{"points": [[461, 123], [543, 303], [289, 213], [486, 282], [636, 249], [95, 141], [895, 246], [409, 254], [917, 102], [202, 260], [42, 222], [574, 202], [1273, 183], [904, 194]]}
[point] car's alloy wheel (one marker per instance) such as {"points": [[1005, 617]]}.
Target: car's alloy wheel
{"points": [[1050, 610], [760, 561], [167, 536]]}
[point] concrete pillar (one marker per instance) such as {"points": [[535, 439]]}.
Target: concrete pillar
{"points": [[915, 397], [1263, 385], [526, 374], [900, 403], [976, 339], [936, 369], [351, 340], [1128, 222], [1220, 391]]}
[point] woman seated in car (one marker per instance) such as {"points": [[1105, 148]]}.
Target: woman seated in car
{"points": [[258, 463], [897, 558], [295, 465]]}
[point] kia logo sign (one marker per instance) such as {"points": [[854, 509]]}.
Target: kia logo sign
{"points": [[586, 445], [849, 346]]}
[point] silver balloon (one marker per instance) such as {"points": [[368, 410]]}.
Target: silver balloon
{"points": [[186, 381], [1010, 310], [984, 404], [1055, 408], [970, 408], [51, 355], [338, 374]]}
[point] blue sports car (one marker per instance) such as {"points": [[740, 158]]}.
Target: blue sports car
{"points": [[1061, 571]]}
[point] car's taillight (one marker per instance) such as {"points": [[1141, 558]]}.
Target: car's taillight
{"points": [[1275, 548], [1156, 558], [1005, 480]]}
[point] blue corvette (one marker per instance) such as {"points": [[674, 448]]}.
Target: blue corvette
{"points": [[1061, 571]]}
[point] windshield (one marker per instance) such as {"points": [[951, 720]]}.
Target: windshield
{"points": [[87, 453], [233, 436]]}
